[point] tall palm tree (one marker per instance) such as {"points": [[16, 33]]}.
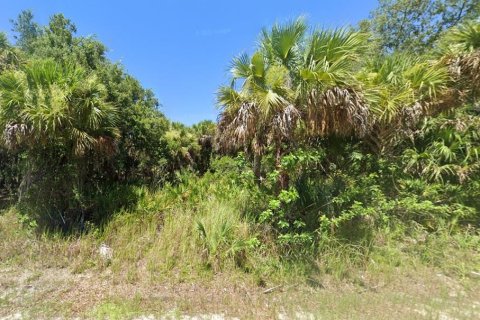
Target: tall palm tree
{"points": [[258, 115], [449, 146], [293, 84], [402, 90], [333, 103], [262, 111]]}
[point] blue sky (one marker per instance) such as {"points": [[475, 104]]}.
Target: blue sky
{"points": [[182, 49]]}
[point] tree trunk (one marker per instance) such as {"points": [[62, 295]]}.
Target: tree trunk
{"points": [[283, 178], [257, 167]]}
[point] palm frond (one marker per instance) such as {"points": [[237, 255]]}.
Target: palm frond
{"points": [[337, 111], [240, 67], [282, 42], [464, 38], [47, 102]]}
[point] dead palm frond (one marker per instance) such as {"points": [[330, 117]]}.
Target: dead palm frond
{"points": [[294, 78], [337, 111]]}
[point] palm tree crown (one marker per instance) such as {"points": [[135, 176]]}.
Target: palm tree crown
{"points": [[292, 79], [45, 103]]}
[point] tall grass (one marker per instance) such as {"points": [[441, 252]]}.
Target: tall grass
{"points": [[207, 225]]}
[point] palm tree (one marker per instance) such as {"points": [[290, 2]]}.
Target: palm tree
{"points": [[45, 104], [9, 56], [57, 115], [464, 38], [401, 90], [293, 85], [460, 48], [449, 146], [262, 112], [331, 93]]}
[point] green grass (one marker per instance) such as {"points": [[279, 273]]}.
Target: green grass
{"points": [[116, 310]]}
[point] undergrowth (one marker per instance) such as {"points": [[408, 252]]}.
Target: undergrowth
{"points": [[216, 224]]}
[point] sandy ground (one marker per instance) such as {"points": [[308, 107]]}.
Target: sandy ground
{"points": [[60, 294]]}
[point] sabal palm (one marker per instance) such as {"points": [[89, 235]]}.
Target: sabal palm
{"points": [[330, 92], [449, 147], [46, 104], [262, 110], [400, 91], [461, 48], [462, 39], [292, 79]]}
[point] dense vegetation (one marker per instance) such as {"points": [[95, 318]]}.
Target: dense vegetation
{"points": [[331, 146], [77, 128]]}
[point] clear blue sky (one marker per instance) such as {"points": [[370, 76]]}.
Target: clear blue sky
{"points": [[182, 49]]}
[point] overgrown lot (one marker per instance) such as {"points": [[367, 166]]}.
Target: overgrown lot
{"points": [[342, 178]]}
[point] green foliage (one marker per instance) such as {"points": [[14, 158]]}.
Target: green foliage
{"points": [[289, 233], [464, 38], [295, 85], [45, 104], [79, 125], [448, 149], [10, 56], [57, 115], [326, 148], [396, 81], [27, 30], [414, 25]]}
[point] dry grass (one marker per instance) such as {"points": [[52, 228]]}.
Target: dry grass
{"points": [[54, 292], [163, 265]]}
